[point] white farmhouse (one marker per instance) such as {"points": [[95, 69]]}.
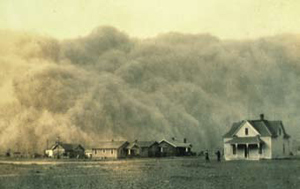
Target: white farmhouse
{"points": [[256, 139]]}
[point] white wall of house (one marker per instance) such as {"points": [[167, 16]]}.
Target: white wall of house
{"points": [[49, 153], [272, 148], [267, 148], [228, 153], [240, 152], [280, 147], [105, 153], [253, 152]]}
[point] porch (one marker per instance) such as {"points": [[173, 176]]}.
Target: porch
{"points": [[246, 148]]}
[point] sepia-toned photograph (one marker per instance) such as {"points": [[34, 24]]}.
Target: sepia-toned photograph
{"points": [[149, 94]]}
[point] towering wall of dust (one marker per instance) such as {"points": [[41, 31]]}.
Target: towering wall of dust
{"points": [[107, 85]]}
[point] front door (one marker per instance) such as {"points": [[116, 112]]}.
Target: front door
{"points": [[246, 152]]}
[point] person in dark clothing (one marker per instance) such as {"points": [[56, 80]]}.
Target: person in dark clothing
{"points": [[206, 156], [218, 153]]}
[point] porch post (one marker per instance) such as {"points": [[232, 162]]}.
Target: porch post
{"points": [[258, 147], [247, 150], [236, 149]]}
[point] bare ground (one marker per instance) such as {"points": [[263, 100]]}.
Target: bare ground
{"points": [[150, 173]]}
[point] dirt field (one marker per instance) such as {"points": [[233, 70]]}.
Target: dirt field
{"points": [[150, 173]]}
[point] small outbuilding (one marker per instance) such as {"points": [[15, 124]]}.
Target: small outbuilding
{"points": [[174, 148]]}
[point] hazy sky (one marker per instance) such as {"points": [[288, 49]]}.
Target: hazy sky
{"points": [[144, 18]]}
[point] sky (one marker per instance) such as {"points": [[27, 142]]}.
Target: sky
{"points": [[226, 19], [106, 84]]}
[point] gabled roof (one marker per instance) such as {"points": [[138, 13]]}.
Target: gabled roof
{"points": [[110, 145], [264, 127], [67, 146], [142, 144], [274, 127], [261, 127], [233, 129], [177, 144]]}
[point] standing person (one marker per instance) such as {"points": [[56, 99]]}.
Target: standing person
{"points": [[218, 153], [206, 156]]}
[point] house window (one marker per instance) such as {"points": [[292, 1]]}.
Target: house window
{"points": [[246, 131], [234, 149], [283, 149], [112, 151], [95, 151], [103, 151]]}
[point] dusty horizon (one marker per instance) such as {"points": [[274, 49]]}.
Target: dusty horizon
{"points": [[109, 85]]}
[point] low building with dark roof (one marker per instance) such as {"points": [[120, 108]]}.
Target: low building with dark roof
{"points": [[143, 149], [109, 150], [256, 139], [174, 147], [65, 150]]}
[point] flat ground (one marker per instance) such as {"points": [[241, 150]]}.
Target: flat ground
{"points": [[150, 173]]}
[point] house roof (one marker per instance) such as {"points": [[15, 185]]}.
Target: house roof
{"points": [[110, 145], [141, 144], [264, 127], [67, 146], [177, 144], [261, 127], [233, 129], [245, 140]]}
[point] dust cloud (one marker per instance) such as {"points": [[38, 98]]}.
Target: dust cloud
{"points": [[108, 85]]}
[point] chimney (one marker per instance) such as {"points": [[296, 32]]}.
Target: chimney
{"points": [[184, 140], [173, 138], [58, 140], [262, 117], [135, 140]]}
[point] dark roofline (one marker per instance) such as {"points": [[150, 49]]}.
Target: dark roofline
{"points": [[268, 124], [66, 145], [174, 145]]}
